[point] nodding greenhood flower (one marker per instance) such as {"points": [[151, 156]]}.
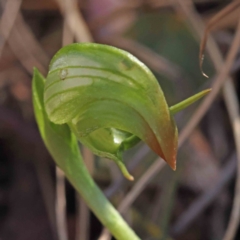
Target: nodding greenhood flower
{"points": [[111, 100]]}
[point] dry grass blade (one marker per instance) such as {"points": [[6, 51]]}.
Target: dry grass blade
{"points": [[229, 97], [26, 132], [233, 109], [156, 62], [105, 235], [203, 201], [140, 155], [60, 201], [218, 83], [60, 206], [210, 26], [140, 185], [27, 48], [135, 191], [82, 228], [8, 19], [75, 20], [119, 12], [82, 232], [68, 35], [47, 188]]}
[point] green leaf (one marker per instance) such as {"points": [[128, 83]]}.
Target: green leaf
{"points": [[109, 99], [61, 143]]}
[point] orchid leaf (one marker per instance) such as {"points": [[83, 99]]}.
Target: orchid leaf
{"points": [[59, 140]]}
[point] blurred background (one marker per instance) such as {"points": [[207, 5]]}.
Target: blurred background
{"points": [[192, 203]]}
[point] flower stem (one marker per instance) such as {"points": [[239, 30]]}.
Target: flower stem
{"points": [[78, 175]]}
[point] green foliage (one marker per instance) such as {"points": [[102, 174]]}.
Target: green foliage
{"points": [[108, 100]]}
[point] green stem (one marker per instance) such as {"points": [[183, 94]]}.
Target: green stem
{"points": [[78, 175]]}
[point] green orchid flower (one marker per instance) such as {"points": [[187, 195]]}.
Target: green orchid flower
{"points": [[111, 101]]}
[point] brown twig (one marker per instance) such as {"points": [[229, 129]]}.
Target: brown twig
{"points": [[233, 110], [11, 9], [127, 6], [136, 160], [13, 123], [218, 83], [8, 18], [135, 191], [60, 205], [84, 213], [210, 26], [156, 62], [203, 201], [230, 99], [27, 48], [60, 201], [68, 36], [19, 36], [75, 20]]}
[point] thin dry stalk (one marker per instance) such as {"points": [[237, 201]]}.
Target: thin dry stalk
{"points": [[68, 36], [26, 48], [75, 20], [60, 201], [233, 110], [105, 235], [28, 134], [229, 97], [136, 160], [139, 186], [210, 26], [205, 199], [121, 11], [156, 62], [60, 205], [219, 81], [82, 232], [8, 18], [23, 43], [47, 187], [135, 191]]}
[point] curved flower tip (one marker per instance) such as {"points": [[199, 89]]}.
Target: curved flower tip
{"points": [[124, 171], [110, 100], [173, 166]]}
